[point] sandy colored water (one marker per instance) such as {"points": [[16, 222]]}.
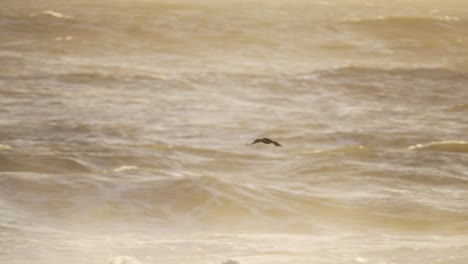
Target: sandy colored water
{"points": [[125, 130]]}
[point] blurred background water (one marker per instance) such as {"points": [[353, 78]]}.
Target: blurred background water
{"points": [[124, 131]]}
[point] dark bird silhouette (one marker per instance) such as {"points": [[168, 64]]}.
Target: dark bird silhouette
{"points": [[266, 141]]}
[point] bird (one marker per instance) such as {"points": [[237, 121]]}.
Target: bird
{"points": [[266, 141]]}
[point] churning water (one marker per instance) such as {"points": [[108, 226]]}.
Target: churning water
{"points": [[125, 130]]}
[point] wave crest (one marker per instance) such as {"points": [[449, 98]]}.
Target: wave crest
{"points": [[442, 146]]}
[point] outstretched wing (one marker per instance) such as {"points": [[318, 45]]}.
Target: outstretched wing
{"points": [[276, 143], [256, 141]]}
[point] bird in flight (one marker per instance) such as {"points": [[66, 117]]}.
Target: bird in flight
{"points": [[266, 141]]}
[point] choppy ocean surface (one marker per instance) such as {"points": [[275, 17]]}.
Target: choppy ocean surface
{"points": [[125, 130]]}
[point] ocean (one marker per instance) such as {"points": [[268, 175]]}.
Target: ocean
{"points": [[125, 131]]}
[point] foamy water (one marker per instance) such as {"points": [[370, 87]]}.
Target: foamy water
{"points": [[125, 131]]}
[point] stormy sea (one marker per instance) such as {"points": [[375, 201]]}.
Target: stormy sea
{"points": [[126, 130]]}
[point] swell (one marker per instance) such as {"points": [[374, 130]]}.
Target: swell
{"points": [[211, 202]]}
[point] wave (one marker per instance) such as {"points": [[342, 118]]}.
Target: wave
{"points": [[4, 147], [410, 28], [442, 146], [51, 14], [350, 150], [457, 108], [37, 21], [348, 71], [408, 38], [207, 201], [405, 21], [110, 75], [441, 85], [42, 164]]}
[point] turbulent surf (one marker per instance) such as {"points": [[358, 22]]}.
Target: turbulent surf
{"points": [[125, 132]]}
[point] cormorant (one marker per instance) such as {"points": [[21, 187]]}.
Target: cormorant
{"points": [[266, 141]]}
